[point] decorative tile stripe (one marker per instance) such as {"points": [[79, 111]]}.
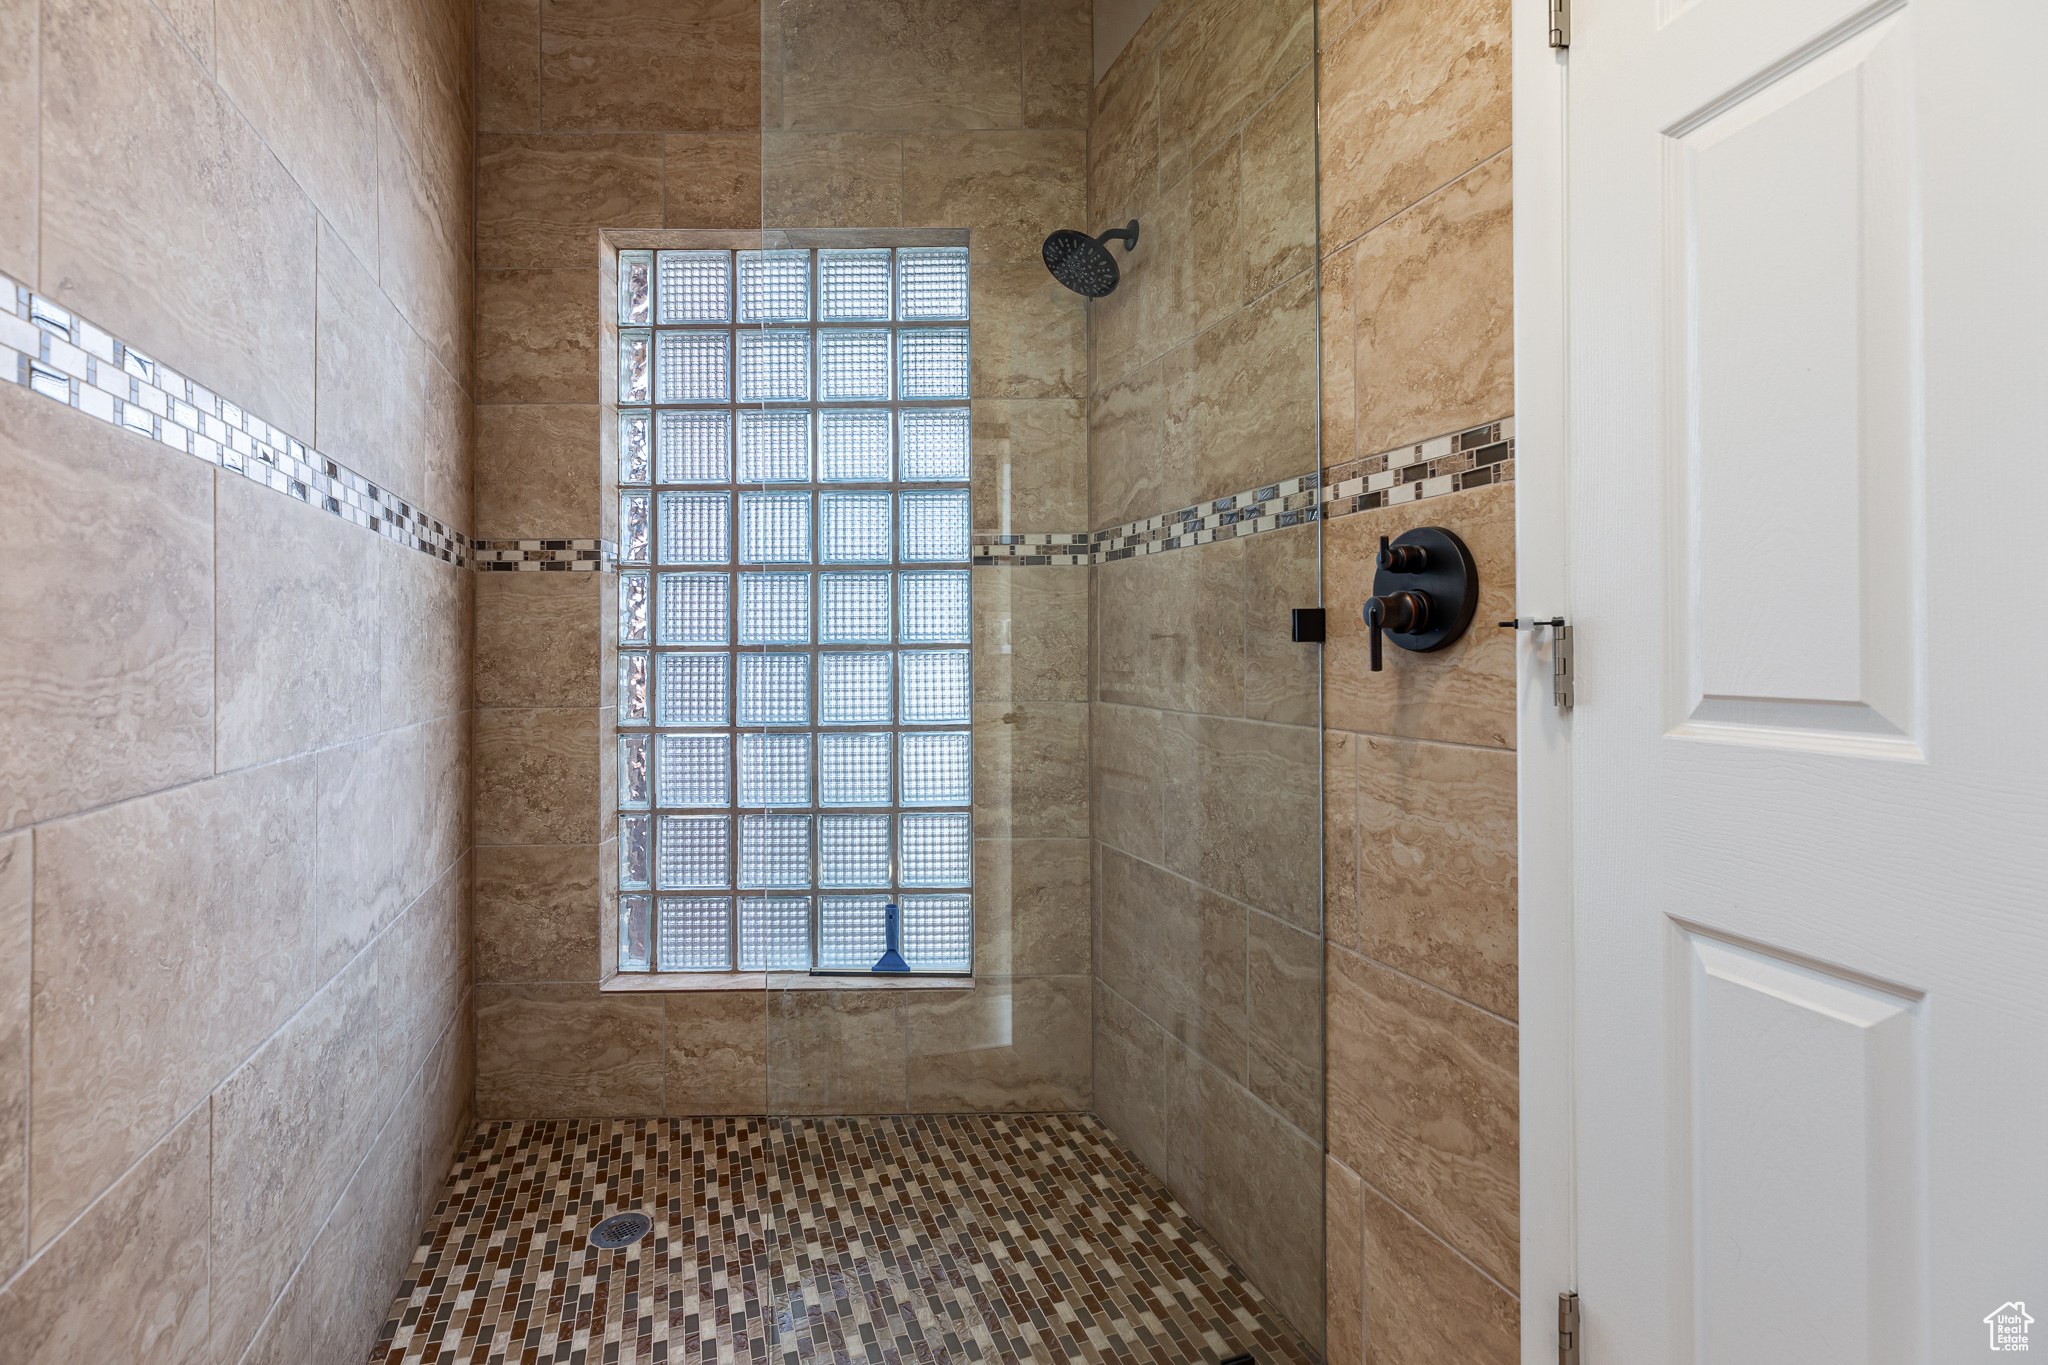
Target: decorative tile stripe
{"points": [[68, 360], [939, 1239], [552, 556], [1290, 502], [1447, 464], [1067, 549]]}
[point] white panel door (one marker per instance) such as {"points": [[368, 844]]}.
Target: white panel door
{"points": [[1806, 247]]}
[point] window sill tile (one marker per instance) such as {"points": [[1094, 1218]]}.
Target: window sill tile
{"points": [[653, 983]]}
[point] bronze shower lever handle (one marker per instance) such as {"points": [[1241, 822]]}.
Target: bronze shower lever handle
{"points": [[1404, 612]]}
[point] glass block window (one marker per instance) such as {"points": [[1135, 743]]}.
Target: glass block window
{"points": [[795, 744]]}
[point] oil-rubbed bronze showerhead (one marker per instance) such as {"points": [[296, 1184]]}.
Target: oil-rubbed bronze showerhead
{"points": [[1083, 263]]}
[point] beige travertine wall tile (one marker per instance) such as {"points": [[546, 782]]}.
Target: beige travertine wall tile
{"points": [[1031, 907], [1435, 304], [289, 1127], [1260, 852], [841, 180], [1219, 64], [1031, 634], [16, 863], [1343, 1265], [537, 911], [629, 66], [1280, 187], [449, 428], [564, 1051], [293, 72], [422, 59], [1216, 233], [425, 642], [1030, 770], [536, 775], [370, 383], [155, 975], [1341, 908], [1339, 361], [1123, 151], [1169, 629], [424, 227], [423, 977], [717, 1052], [536, 336], [541, 198], [1423, 1105], [836, 1052], [1008, 189], [1437, 865], [537, 639], [1465, 692], [1030, 464], [900, 64], [1286, 974], [507, 65], [1414, 95], [19, 98], [1141, 47], [1058, 62], [1152, 305], [165, 219], [108, 672], [711, 180], [1254, 404], [1127, 779], [144, 1244], [536, 471], [1134, 470], [1282, 679], [1177, 953], [298, 635], [1010, 1045], [1426, 1304], [1130, 1098], [1029, 333]]}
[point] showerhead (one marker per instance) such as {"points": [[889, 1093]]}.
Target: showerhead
{"points": [[1083, 263]]}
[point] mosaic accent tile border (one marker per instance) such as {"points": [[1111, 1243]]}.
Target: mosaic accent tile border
{"points": [[1473, 458], [551, 556], [1072, 549], [1290, 502], [939, 1239]]}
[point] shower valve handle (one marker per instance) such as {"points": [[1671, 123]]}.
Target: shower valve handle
{"points": [[1404, 612]]}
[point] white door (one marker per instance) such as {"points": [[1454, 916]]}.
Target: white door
{"points": [[1806, 294]]}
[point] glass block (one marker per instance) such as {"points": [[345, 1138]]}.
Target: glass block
{"points": [[636, 447], [693, 770], [853, 528], [691, 689], [695, 528], [853, 364], [936, 687], [853, 608], [693, 851], [692, 367], [634, 366], [853, 768], [937, 933], [775, 528], [775, 770], [636, 527], [636, 288], [775, 934], [853, 850], [775, 850], [775, 366], [853, 445], [775, 609], [633, 607], [775, 447], [853, 286], [938, 768], [636, 772], [933, 608], [775, 286], [695, 447], [934, 527], [694, 935], [935, 443], [853, 689], [931, 362], [931, 284], [696, 286], [935, 850], [775, 689], [635, 858], [634, 933], [695, 609], [633, 694], [852, 931]]}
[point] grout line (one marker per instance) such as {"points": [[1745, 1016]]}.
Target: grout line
{"points": [[1407, 208], [1425, 985], [1433, 1234]]}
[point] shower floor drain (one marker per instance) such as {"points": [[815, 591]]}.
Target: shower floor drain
{"points": [[620, 1230]]}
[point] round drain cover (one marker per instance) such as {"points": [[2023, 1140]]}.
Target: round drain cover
{"points": [[621, 1229]]}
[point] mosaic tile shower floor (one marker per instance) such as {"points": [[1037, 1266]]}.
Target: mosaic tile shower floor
{"points": [[937, 1239]]}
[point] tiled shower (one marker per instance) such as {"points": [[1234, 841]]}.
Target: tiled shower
{"points": [[580, 528]]}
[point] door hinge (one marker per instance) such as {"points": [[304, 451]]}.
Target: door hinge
{"points": [[1560, 23], [1568, 1328], [1563, 678]]}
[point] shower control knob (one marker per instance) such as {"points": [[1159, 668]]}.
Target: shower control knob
{"points": [[1424, 592], [1403, 558], [1406, 612]]}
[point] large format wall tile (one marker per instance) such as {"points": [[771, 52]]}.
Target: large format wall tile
{"points": [[421, 55], [629, 66], [1414, 95], [425, 641], [1031, 770], [1279, 180], [128, 1282], [1031, 464], [107, 665], [542, 198], [1133, 470], [15, 893], [1169, 630], [711, 180], [1340, 837], [1127, 777], [1130, 1059], [536, 776], [1285, 990], [19, 98], [1031, 634], [564, 1051], [1343, 1265], [1008, 189], [536, 336], [831, 180], [536, 471], [1263, 851], [537, 909], [507, 65], [836, 1052], [1282, 679], [165, 219], [1255, 395], [423, 234], [1058, 57], [1012, 1044], [716, 1058], [1222, 61], [1031, 907], [900, 64], [1177, 952], [1123, 149], [1339, 355], [423, 974], [370, 378], [1423, 1105], [1030, 333], [537, 639], [1425, 1303]]}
